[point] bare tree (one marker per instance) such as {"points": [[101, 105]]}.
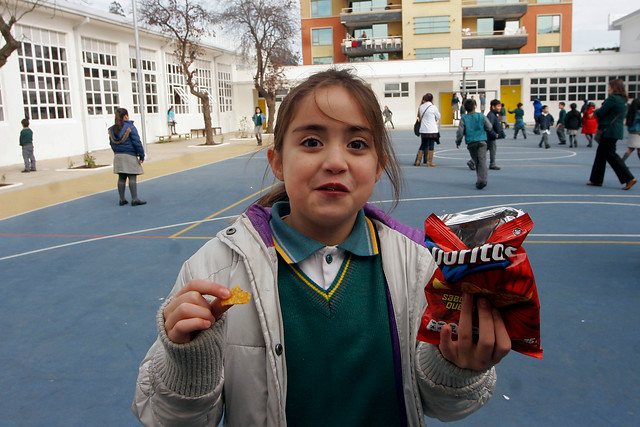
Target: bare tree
{"points": [[116, 8], [185, 22], [267, 31], [12, 11]]}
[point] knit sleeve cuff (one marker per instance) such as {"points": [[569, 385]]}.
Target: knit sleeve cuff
{"points": [[192, 369], [448, 391]]}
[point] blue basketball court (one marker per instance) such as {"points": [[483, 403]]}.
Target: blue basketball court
{"points": [[82, 281]]}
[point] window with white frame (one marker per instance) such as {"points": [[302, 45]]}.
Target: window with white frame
{"points": [[578, 88], [44, 75], [431, 24], [396, 90], [176, 87], [149, 80], [99, 63], [204, 78], [225, 101]]}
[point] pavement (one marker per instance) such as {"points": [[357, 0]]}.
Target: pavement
{"points": [[59, 180], [82, 279]]}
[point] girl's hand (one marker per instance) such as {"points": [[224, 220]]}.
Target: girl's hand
{"points": [[493, 341], [141, 161], [188, 311]]}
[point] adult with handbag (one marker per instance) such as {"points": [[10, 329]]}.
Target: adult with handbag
{"points": [[610, 125], [429, 116]]}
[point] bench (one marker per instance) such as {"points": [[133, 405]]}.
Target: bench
{"points": [[216, 129], [167, 138]]}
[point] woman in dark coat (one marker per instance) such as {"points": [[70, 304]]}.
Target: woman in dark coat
{"points": [[128, 156], [611, 120]]}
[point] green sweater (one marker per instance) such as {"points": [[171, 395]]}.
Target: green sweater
{"points": [[26, 136], [338, 349]]}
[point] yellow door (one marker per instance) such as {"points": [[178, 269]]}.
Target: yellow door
{"points": [[445, 108], [263, 106], [510, 97]]}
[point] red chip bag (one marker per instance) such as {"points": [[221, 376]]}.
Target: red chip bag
{"points": [[482, 254]]}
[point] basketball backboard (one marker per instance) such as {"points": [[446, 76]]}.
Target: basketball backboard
{"points": [[463, 60]]}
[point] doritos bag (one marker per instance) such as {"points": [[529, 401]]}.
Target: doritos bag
{"points": [[482, 254]]}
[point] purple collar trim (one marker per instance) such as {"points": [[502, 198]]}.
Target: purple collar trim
{"points": [[260, 216]]}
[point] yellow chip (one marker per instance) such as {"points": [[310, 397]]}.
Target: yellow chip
{"points": [[238, 296]]}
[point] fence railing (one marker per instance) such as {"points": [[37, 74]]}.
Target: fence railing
{"points": [[372, 43]]}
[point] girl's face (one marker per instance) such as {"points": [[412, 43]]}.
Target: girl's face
{"points": [[258, 111], [328, 163]]}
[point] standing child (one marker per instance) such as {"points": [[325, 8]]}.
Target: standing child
{"points": [[388, 114], [632, 121], [544, 122], [26, 141], [128, 156], [171, 119], [572, 123], [334, 282], [258, 119], [589, 123], [560, 125], [537, 110], [503, 117], [519, 114], [474, 128]]}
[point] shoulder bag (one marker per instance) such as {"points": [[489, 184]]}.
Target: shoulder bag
{"points": [[416, 126], [600, 132]]}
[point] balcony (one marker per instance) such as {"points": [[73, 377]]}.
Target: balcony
{"points": [[363, 17], [370, 46], [510, 9], [513, 39]]}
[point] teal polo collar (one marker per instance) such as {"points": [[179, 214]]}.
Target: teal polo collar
{"points": [[295, 247]]}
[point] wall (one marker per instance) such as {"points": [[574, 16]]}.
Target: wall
{"points": [[83, 132], [412, 41], [529, 21]]}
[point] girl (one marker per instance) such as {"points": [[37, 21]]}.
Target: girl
{"points": [[337, 294], [589, 123], [258, 119], [171, 119], [519, 113], [429, 116], [572, 122], [633, 126], [128, 156]]}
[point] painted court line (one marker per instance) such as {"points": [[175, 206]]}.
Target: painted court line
{"points": [[176, 236], [113, 236]]}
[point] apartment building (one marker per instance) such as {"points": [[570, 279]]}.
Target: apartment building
{"points": [[337, 31]]}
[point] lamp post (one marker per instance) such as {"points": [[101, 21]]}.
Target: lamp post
{"points": [[141, 88]]}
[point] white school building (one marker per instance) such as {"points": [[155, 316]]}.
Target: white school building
{"points": [[77, 64]]}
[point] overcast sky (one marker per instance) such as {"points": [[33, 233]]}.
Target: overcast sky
{"points": [[590, 20]]}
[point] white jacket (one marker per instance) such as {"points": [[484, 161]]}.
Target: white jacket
{"points": [[430, 116], [189, 384]]}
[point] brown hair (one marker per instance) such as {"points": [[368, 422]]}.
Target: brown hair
{"points": [[617, 88], [370, 108], [428, 97], [119, 121]]}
